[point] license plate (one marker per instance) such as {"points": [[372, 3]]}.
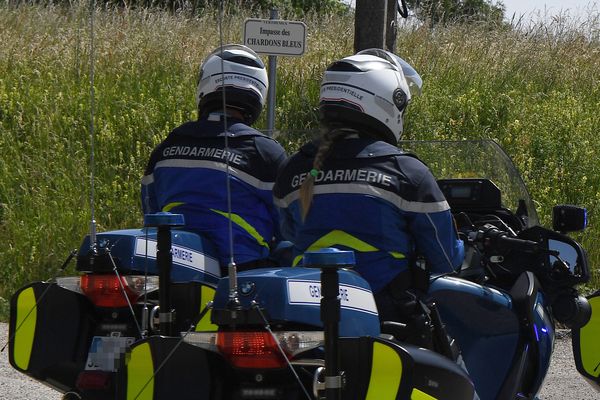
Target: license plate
{"points": [[106, 352]]}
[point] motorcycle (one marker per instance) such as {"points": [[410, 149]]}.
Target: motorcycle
{"points": [[313, 331], [71, 331]]}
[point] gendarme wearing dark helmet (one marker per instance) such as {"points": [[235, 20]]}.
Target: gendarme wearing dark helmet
{"points": [[187, 172], [354, 189]]}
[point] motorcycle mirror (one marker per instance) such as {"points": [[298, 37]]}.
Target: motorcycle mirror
{"points": [[563, 253], [566, 260], [569, 218]]}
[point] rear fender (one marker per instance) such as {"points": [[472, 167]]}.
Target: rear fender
{"points": [[50, 330], [586, 345]]}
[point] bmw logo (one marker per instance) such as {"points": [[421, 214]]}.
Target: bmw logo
{"points": [[246, 288]]}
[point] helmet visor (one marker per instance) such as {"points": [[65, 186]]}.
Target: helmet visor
{"points": [[415, 83]]}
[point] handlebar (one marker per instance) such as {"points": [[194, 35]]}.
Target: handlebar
{"points": [[492, 237], [504, 253]]}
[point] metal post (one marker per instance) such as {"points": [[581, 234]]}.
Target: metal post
{"points": [[272, 84], [164, 221], [330, 316], [329, 260], [164, 260]]}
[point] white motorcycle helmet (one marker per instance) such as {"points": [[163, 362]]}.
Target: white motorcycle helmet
{"points": [[246, 82], [369, 91], [415, 83]]}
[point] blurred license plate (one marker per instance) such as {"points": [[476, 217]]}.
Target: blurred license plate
{"points": [[106, 351]]}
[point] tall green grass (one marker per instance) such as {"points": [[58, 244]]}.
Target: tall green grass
{"points": [[536, 91]]}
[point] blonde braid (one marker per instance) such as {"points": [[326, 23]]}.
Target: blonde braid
{"points": [[306, 190]]}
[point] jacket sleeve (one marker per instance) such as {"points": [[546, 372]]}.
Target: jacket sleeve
{"points": [[147, 192], [434, 230], [286, 218], [149, 205], [274, 211], [287, 224], [273, 156], [436, 238]]}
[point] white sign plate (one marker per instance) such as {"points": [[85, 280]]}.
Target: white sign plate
{"points": [[181, 256], [275, 36], [351, 297]]}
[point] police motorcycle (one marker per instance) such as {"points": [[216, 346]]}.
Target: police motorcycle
{"points": [[313, 332], [70, 332]]}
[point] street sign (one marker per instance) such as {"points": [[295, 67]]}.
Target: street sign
{"points": [[275, 37]]}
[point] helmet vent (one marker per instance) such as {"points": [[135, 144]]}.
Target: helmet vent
{"points": [[234, 58], [343, 66]]}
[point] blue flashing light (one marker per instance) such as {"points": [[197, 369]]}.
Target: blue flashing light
{"points": [[163, 219], [544, 330], [329, 256]]}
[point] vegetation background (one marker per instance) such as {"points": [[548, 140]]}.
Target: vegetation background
{"points": [[534, 89]]}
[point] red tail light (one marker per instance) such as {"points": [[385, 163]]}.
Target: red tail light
{"points": [[250, 350], [106, 290], [93, 380]]}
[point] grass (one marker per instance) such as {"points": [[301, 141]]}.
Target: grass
{"points": [[535, 90]]}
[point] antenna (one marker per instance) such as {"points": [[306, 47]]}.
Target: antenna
{"points": [[234, 302], [91, 128]]}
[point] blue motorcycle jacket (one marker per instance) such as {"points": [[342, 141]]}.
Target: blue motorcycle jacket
{"points": [[187, 174], [372, 198]]}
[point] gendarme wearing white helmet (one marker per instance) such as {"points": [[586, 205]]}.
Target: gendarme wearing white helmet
{"points": [[368, 90], [246, 82]]}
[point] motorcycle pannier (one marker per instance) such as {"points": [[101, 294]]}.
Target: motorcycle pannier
{"points": [[379, 369], [586, 345], [49, 333]]}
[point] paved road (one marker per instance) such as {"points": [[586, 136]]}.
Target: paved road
{"points": [[562, 383]]}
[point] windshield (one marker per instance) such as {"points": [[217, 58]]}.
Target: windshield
{"points": [[457, 159], [475, 159]]}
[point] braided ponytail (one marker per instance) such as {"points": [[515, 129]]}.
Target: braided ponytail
{"points": [[306, 190]]}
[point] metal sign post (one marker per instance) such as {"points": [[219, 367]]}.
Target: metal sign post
{"points": [[272, 84], [274, 37]]}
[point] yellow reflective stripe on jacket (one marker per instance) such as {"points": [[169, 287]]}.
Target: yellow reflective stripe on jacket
{"points": [[25, 328], [140, 371], [171, 206], [244, 225], [418, 395], [386, 372], [397, 255], [204, 325], [589, 340], [337, 237]]}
